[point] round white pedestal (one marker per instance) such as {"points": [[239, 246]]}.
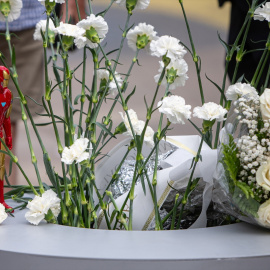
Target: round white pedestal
{"points": [[24, 246]]}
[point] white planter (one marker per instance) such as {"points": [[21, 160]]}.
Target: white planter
{"points": [[28, 247]]}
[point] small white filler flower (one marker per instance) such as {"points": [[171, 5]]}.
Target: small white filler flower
{"points": [[210, 111], [175, 108], [40, 206], [95, 28], [41, 26], [10, 9], [3, 214], [141, 36], [263, 13], [238, 90], [167, 46]]}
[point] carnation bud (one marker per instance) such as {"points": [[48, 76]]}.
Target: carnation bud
{"points": [[92, 35], [142, 41], [49, 6], [171, 75], [130, 5], [5, 8], [120, 129]]}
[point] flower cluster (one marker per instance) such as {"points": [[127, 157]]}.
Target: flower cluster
{"points": [[253, 150], [40, 206]]}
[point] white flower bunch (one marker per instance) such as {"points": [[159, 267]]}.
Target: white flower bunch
{"points": [[40, 206], [210, 111], [141, 36], [103, 74], [41, 26], [263, 13], [179, 70], [76, 152], [10, 9], [138, 126], [3, 214], [175, 108], [167, 46], [95, 29], [238, 90]]}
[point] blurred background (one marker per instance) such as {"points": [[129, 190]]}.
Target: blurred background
{"points": [[206, 21]]}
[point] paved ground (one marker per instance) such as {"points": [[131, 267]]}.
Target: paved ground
{"points": [[205, 20]]}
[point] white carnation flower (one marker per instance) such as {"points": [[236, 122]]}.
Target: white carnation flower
{"points": [[263, 13], [69, 30], [98, 23], [41, 26], [76, 152], [40, 206], [3, 214], [15, 10], [140, 30], [238, 90], [138, 126], [141, 4], [181, 67], [167, 46], [175, 108], [103, 74], [210, 111]]}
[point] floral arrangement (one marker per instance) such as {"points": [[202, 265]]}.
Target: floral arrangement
{"points": [[74, 198]]}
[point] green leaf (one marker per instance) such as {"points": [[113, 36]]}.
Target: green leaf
{"points": [[219, 89], [131, 94], [105, 129], [224, 44], [49, 169]]}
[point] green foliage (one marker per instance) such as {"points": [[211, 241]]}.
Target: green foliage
{"points": [[231, 162], [248, 206]]}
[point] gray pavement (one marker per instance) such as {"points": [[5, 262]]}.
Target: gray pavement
{"points": [[208, 48]]}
